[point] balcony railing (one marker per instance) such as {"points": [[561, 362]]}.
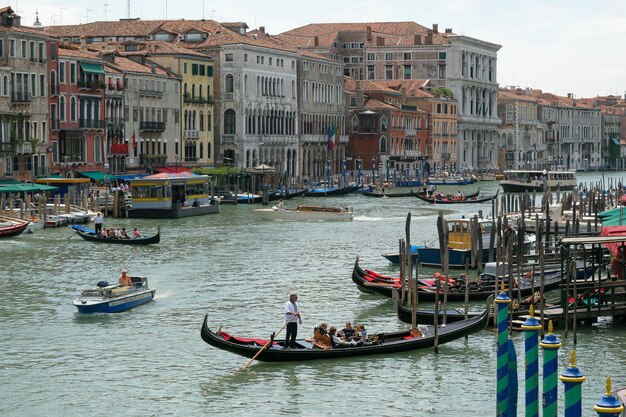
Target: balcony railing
{"points": [[229, 96], [25, 147], [151, 93], [91, 124], [445, 155], [228, 138], [7, 148], [152, 159], [410, 132], [90, 84], [192, 134], [20, 97], [188, 99], [152, 126]]}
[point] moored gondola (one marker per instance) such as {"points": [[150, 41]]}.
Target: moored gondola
{"points": [[455, 200], [90, 235], [271, 350]]}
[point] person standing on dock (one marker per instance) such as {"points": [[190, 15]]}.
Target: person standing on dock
{"points": [[292, 318], [97, 220]]}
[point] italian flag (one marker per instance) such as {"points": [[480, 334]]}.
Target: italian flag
{"points": [[332, 134]]}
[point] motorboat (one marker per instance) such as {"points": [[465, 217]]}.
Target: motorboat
{"points": [[114, 298], [519, 181], [307, 213], [10, 226]]}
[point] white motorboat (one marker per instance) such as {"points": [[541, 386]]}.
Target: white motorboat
{"points": [[307, 213], [114, 298]]}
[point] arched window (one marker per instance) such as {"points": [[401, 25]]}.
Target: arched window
{"points": [[97, 143], [193, 91], [230, 121], [209, 124], [53, 84], [73, 109], [383, 145], [201, 122], [62, 108], [245, 84]]}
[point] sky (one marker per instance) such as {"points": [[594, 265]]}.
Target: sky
{"points": [[558, 46]]}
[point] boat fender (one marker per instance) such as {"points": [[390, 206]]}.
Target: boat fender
{"points": [[102, 284]]}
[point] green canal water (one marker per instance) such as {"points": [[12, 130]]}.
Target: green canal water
{"points": [[239, 269]]}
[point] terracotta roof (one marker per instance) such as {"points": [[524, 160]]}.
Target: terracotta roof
{"points": [[77, 53], [394, 33], [410, 88], [372, 104], [146, 48], [517, 94], [128, 65]]}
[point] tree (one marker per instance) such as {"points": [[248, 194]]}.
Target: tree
{"points": [[442, 92]]}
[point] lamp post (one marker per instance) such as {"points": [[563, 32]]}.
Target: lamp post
{"points": [[373, 171], [175, 162]]}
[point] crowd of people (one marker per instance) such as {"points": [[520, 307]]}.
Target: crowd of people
{"points": [[116, 233], [349, 336]]}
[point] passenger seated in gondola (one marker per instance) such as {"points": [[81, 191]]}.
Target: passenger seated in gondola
{"points": [[123, 234], [104, 233], [321, 338], [361, 334], [111, 232], [136, 233], [337, 341], [348, 331]]}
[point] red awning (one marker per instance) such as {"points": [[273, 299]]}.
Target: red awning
{"points": [[119, 149], [120, 85], [171, 170]]}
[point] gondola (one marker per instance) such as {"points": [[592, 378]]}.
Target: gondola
{"points": [[328, 192], [423, 194], [453, 200], [479, 290], [90, 235], [281, 195], [381, 343], [382, 193]]}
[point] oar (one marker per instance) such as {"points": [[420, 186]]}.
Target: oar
{"points": [[265, 346]]}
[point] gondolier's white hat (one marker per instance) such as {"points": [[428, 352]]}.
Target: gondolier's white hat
{"points": [[123, 271]]}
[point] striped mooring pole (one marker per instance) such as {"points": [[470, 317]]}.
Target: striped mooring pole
{"points": [[531, 329], [550, 345], [502, 388], [573, 380], [609, 405]]}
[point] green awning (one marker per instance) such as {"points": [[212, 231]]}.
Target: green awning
{"points": [[615, 141], [96, 175], [92, 68], [26, 188]]}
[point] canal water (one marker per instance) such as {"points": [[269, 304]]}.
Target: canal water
{"points": [[239, 269]]}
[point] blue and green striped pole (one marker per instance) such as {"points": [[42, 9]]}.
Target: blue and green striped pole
{"points": [[608, 406], [502, 390], [531, 329], [573, 380], [550, 345]]}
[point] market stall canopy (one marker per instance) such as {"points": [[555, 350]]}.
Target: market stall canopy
{"points": [[26, 188]]}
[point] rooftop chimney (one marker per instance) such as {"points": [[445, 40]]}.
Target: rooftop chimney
{"points": [[153, 69], [169, 71], [417, 39], [262, 29], [380, 41], [316, 41], [369, 33], [570, 95], [429, 39], [435, 28], [448, 30]]}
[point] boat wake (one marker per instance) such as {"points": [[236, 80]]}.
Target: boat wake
{"points": [[367, 219]]}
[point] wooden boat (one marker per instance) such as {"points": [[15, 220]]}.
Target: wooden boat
{"points": [[307, 213], [105, 298], [90, 235], [519, 181], [478, 290], [327, 192], [381, 343], [450, 180], [381, 192], [438, 199], [10, 226], [450, 196]]}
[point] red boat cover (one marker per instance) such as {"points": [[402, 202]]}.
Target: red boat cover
{"points": [[613, 231]]}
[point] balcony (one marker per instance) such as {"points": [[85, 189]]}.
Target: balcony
{"points": [[410, 132], [229, 96], [228, 138], [90, 84], [25, 148], [119, 149], [150, 93], [151, 160], [445, 155], [151, 126], [7, 148], [91, 124], [20, 97], [192, 134], [188, 99]]}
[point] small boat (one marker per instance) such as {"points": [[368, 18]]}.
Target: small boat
{"points": [[447, 199], [90, 235], [271, 350], [478, 290], [244, 198], [450, 180], [307, 213], [327, 192], [518, 181], [114, 298], [386, 192], [450, 196], [10, 226]]}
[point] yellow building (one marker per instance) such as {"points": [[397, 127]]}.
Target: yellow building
{"points": [[196, 70]]}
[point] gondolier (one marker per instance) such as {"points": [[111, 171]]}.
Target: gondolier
{"points": [[292, 318], [97, 220]]}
